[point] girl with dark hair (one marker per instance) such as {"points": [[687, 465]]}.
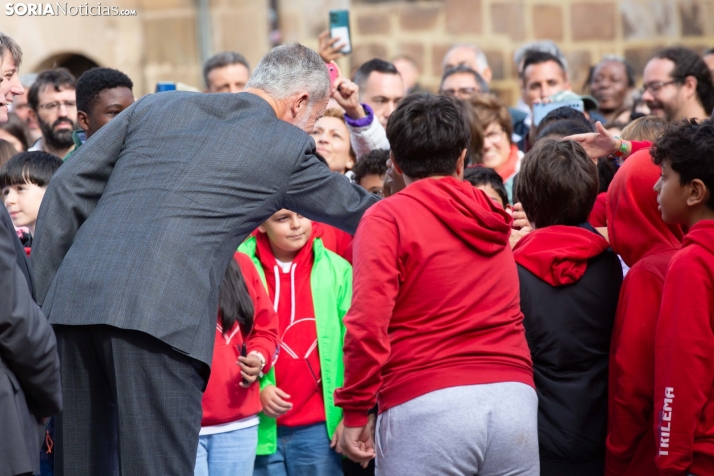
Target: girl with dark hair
{"points": [[246, 341]]}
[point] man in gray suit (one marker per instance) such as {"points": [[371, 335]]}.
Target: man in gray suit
{"points": [[29, 366], [134, 235]]}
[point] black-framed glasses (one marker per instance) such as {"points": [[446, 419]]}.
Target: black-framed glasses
{"points": [[655, 86]]}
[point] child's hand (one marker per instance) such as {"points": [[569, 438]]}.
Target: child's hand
{"points": [[358, 444], [336, 437], [520, 220], [250, 367], [273, 401]]}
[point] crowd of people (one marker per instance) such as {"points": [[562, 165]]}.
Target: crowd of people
{"points": [[306, 275]]}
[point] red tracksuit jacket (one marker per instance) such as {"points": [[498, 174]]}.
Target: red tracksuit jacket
{"points": [[435, 299], [684, 359], [224, 400], [646, 244]]}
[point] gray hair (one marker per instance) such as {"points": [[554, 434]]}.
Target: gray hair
{"points": [[462, 68], [544, 46], [289, 69], [8, 44], [480, 56], [221, 60]]}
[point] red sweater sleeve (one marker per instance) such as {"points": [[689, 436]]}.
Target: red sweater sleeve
{"points": [[684, 361], [263, 337], [639, 145], [632, 369], [366, 347]]}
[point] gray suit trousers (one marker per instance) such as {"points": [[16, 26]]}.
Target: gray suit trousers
{"points": [[133, 404]]}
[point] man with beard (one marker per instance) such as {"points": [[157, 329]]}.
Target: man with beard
{"points": [[53, 102], [677, 85]]}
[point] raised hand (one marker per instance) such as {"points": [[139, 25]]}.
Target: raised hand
{"points": [[328, 48], [597, 144]]}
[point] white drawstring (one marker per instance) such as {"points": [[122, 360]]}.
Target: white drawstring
{"points": [[292, 293], [277, 288]]}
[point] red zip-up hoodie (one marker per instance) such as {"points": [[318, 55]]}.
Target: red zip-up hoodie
{"points": [[224, 400], [684, 359], [297, 371], [646, 244], [435, 299]]}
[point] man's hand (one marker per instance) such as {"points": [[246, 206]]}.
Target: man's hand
{"points": [[597, 144], [336, 437], [358, 443], [346, 93], [250, 367], [329, 49], [273, 401]]}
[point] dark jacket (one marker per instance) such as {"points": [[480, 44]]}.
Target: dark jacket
{"points": [[136, 229], [29, 365], [570, 281]]}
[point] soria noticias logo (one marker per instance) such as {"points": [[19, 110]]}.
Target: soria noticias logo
{"points": [[65, 9]]}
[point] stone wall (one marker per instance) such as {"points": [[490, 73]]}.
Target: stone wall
{"points": [[161, 42], [585, 30]]}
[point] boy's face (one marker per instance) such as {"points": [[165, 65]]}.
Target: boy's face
{"points": [[287, 231], [23, 203], [492, 193], [672, 196], [373, 183], [107, 106]]}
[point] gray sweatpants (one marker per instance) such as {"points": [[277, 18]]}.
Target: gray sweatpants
{"points": [[485, 430]]}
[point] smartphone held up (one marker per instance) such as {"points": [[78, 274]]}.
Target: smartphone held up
{"points": [[340, 28]]}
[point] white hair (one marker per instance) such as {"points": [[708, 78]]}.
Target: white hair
{"points": [[479, 55], [290, 69]]}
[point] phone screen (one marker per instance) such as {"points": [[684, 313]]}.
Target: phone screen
{"points": [[340, 28]]}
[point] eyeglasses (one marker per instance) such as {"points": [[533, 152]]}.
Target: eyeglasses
{"points": [[51, 106], [655, 86], [495, 137], [459, 92]]}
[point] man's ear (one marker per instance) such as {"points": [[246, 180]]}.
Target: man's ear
{"points": [[261, 229], [690, 86], [299, 104], [698, 193], [460, 165], [83, 120], [395, 164]]}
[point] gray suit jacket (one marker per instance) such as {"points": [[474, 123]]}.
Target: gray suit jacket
{"points": [[138, 226], [29, 365]]}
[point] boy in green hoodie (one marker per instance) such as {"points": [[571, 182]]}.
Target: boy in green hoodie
{"points": [[311, 289]]}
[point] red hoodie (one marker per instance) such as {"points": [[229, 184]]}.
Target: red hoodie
{"points": [[684, 359], [559, 254], [598, 215], [224, 400], [646, 244], [297, 371], [435, 299]]}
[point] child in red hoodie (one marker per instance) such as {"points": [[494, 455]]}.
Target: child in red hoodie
{"points": [[570, 281], [311, 288], [646, 244], [231, 402], [434, 333], [684, 339]]}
